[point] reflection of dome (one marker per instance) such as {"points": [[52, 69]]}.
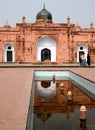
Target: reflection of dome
{"points": [[46, 93], [44, 14], [45, 84], [44, 117]]}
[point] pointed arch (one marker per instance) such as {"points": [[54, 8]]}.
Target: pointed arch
{"points": [[46, 48]]}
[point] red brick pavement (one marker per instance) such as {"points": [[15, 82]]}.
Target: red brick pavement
{"points": [[88, 73], [15, 88]]}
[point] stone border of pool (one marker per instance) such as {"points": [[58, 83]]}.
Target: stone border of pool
{"points": [[30, 117], [85, 85]]}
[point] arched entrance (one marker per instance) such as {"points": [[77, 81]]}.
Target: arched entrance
{"points": [[46, 49], [45, 54], [8, 53], [82, 49]]}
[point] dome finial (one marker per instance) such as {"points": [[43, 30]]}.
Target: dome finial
{"points": [[7, 25], [23, 19], [44, 6]]}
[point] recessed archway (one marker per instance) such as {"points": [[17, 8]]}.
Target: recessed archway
{"points": [[8, 53], [46, 49], [82, 49]]}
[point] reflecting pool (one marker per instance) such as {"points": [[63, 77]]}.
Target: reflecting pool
{"points": [[57, 106]]}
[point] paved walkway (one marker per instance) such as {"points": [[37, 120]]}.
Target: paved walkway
{"points": [[15, 90]]}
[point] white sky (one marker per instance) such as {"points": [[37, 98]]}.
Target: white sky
{"points": [[81, 12]]}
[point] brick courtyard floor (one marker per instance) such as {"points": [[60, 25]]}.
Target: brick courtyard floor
{"points": [[15, 90]]}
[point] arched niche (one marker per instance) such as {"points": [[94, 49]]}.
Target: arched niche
{"points": [[82, 49], [46, 49], [8, 55]]}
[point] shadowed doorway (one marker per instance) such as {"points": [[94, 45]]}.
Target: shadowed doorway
{"points": [[8, 52], [45, 54], [9, 56]]}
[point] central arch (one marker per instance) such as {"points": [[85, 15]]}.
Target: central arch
{"points": [[46, 49]]}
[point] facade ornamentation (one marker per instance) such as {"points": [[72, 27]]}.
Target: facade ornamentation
{"points": [[46, 41]]}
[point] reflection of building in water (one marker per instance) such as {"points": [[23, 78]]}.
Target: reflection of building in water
{"points": [[45, 90], [44, 117], [45, 84], [59, 104]]}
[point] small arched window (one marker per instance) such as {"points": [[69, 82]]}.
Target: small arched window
{"points": [[9, 47], [81, 48]]}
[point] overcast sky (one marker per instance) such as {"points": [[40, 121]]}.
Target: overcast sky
{"points": [[81, 12]]}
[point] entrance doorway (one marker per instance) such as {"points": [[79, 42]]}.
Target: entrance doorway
{"points": [[45, 54], [9, 56], [81, 53], [82, 49]]}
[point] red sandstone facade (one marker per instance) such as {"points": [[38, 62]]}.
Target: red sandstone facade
{"points": [[46, 41]]}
